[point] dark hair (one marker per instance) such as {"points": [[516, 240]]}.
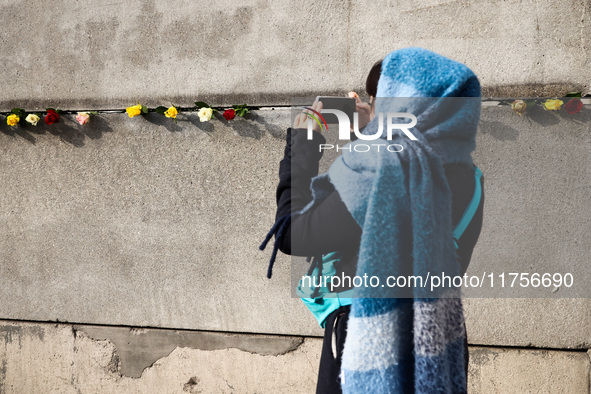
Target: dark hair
{"points": [[371, 85]]}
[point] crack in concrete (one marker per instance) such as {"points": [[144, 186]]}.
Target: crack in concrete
{"points": [[2, 375], [589, 372], [138, 349]]}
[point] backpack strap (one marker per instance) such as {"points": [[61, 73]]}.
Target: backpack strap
{"points": [[471, 209]]}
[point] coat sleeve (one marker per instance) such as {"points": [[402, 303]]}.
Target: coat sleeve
{"points": [[327, 227]]}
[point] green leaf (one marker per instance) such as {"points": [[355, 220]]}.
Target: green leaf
{"points": [[201, 104], [161, 110], [19, 112], [144, 109], [573, 94], [243, 109]]}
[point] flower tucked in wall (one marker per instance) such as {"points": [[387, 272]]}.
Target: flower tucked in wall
{"points": [[82, 118], [136, 110], [573, 106], [16, 115], [52, 116], [519, 107], [12, 120], [553, 104], [229, 114], [205, 112], [170, 112], [32, 119]]}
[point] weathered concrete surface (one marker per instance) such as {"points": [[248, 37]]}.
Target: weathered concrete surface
{"points": [[144, 222], [494, 370], [536, 219], [560, 323], [55, 358], [104, 54], [138, 348], [44, 357]]}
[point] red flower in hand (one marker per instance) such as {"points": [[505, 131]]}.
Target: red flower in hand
{"points": [[51, 117], [229, 114], [574, 106]]}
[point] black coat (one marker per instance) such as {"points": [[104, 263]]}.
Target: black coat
{"points": [[329, 226]]}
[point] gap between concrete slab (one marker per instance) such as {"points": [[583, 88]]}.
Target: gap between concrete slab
{"points": [[581, 349], [487, 101]]}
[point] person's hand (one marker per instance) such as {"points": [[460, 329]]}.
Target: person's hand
{"points": [[363, 109], [301, 121]]}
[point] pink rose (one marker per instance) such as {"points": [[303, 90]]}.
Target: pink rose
{"points": [[82, 118]]}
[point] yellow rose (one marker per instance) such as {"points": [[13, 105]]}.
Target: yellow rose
{"points": [[171, 112], [12, 120], [205, 114], [519, 107], [553, 104], [134, 111], [32, 119]]}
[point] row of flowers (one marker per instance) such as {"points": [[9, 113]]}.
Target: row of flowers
{"points": [[572, 106], [17, 115], [204, 111]]}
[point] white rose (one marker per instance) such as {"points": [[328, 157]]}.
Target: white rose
{"points": [[32, 119], [205, 114]]}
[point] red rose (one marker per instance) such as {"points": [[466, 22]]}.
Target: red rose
{"points": [[51, 117], [229, 114], [574, 106]]}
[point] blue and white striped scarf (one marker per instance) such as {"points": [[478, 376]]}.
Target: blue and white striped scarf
{"points": [[402, 203]]}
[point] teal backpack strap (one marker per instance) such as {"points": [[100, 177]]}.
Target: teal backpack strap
{"points": [[471, 209]]}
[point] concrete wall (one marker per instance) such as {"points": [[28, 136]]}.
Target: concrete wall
{"points": [[148, 223], [43, 357], [129, 246], [73, 54], [152, 223]]}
